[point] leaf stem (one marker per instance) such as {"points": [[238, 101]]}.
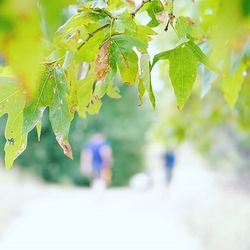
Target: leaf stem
{"points": [[93, 33], [133, 13], [110, 24], [171, 17]]}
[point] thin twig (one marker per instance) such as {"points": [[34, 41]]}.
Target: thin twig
{"points": [[93, 33], [171, 17], [139, 7], [109, 24]]}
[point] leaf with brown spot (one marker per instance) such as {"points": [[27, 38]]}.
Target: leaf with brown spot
{"points": [[64, 144], [102, 61]]}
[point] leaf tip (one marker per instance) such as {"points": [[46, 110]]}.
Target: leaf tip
{"points": [[64, 144]]}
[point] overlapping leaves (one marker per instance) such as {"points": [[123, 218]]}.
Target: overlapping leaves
{"points": [[86, 56]]}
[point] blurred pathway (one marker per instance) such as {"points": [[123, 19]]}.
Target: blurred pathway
{"points": [[200, 206], [72, 219]]}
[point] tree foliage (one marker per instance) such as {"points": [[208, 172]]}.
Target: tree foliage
{"points": [[67, 63], [122, 123]]}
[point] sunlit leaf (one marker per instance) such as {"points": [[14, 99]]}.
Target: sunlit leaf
{"points": [[12, 101], [231, 85], [145, 78]]}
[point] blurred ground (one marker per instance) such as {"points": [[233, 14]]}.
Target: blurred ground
{"points": [[199, 211]]}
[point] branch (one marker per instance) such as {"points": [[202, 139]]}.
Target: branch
{"points": [[139, 7], [109, 24], [171, 17], [93, 33]]}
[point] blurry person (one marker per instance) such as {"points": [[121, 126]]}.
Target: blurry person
{"points": [[96, 159], [169, 162]]}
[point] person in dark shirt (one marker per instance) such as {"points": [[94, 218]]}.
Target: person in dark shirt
{"points": [[96, 158]]}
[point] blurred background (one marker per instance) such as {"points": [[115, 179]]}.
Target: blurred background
{"points": [[46, 202]]}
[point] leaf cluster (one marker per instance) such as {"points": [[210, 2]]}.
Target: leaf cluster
{"points": [[67, 64]]}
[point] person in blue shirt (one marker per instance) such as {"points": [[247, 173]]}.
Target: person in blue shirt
{"points": [[169, 160], [96, 158]]}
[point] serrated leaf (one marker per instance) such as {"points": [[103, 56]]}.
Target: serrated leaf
{"points": [[231, 85], [144, 33], [126, 62], [33, 111], [59, 114], [124, 24], [153, 7], [52, 92], [123, 57], [89, 50], [12, 101], [74, 29]]}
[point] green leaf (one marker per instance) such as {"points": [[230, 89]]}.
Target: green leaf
{"points": [[72, 74], [183, 68], [145, 78], [125, 23], [144, 33], [89, 50], [59, 113], [52, 92], [201, 57], [101, 87], [182, 71], [141, 91], [123, 57], [127, 42], [85, 92], [68, 35], [59, 110], [185, 27], [96, 14], [33, 111], [12, 101], [94, 106], [115, 4], [113, 91], [161, 56], [231, 85], [153, 8]]}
